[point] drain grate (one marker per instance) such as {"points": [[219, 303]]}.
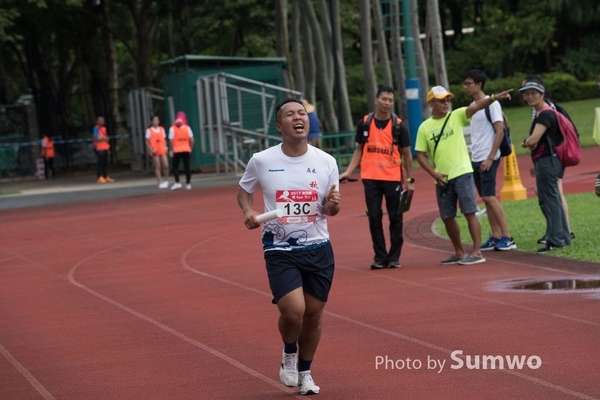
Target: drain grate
{"points": [[559, 284]]}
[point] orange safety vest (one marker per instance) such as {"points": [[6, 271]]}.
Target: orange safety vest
{"points": [[381, 159], [48, 149], [101, 145], [181, 139], [157, 141]]}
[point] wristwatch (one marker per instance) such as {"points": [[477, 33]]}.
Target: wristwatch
{"points": [[410, 180]]}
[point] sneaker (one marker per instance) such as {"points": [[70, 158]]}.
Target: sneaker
{"points": [[109, 179], [545, 249], [288, 372], [306, 383], [101, 180], [471, 259], [377, 265], [394, 264], [542, 241], [490, 244], [506, 243], [176, 186], [572, 235], [597, 185], [163, 185], [188, 187], [453, 259]]}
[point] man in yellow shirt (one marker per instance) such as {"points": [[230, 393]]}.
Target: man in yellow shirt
{"points": [[442, 152]]}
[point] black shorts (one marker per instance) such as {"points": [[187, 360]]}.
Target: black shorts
{"points": [[311, 269], [485, 181]]}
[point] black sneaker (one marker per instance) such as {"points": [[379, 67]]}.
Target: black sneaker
{"points": [[377, 265], [394, 264], [542, 241], [545, 249], [572, 235]]}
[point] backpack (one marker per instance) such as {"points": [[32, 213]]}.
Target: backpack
{"points": [[506, 144], [367, 119], [569, 150]]}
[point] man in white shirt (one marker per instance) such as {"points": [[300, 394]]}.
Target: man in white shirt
{"points": [[487, 132], [300, 181]]}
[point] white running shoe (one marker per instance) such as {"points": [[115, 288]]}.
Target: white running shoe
{"points": [[176, 186], [163, 185], [188, 186], [306, 383], [288, 372]]}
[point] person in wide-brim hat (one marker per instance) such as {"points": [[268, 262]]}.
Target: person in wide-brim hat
{"points": [[309, 107]]}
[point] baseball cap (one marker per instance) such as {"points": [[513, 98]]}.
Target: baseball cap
{"points": [[438, 92], [533, 85]]}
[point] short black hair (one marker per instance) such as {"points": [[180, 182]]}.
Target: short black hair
{"points": [[284, 102], [385, 89], [477, 75]]}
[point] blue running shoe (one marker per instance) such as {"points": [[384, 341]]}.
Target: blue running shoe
{"points": [[490, 244], [505, 243]]}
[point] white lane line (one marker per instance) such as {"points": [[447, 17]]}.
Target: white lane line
{"points": [[216, 353], [473, 297], [383, 330], [28, 375]]}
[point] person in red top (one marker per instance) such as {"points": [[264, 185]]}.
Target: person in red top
{"points": [[101, 148], [181, 143], [47, 153], [380, 152], [156, 141]]}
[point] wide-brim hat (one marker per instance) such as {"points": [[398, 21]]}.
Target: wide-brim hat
{"points": [[438, 92], [309, 107]]}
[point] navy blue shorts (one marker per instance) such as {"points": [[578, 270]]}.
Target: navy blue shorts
{"points": [[485, 181], [311, 269]]}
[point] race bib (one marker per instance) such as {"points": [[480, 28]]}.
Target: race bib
{"points": [[298, 206]]}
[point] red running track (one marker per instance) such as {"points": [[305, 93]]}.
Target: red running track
{"points": [[165, 297]]}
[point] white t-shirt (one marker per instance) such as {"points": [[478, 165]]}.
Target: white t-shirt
{"points": [[483, 133], [172, 133], [155, 130], [297, 186]]}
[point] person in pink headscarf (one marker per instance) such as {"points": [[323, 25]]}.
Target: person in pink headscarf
{"points": [[181, 143]]}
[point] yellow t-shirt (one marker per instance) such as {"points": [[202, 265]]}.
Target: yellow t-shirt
{"points": [[451, 156]]}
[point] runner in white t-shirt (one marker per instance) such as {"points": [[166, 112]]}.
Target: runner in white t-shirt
{"points": [[302, 181]]}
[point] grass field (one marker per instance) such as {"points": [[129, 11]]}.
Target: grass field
{"points": [[527, 224], [581, 112]]}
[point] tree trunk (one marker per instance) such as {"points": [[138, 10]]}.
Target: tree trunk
{"points": [[398, 61], [282, 38], [170, 33], [366, 49], [139, 12], [321, 59], [114, 121], [310, 64], [345, 112], [384, 58], [420, 56], [437, 43], [296, 45], [327, 41]]}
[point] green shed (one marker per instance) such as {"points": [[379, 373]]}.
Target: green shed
{"points": [[229, 103]]}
